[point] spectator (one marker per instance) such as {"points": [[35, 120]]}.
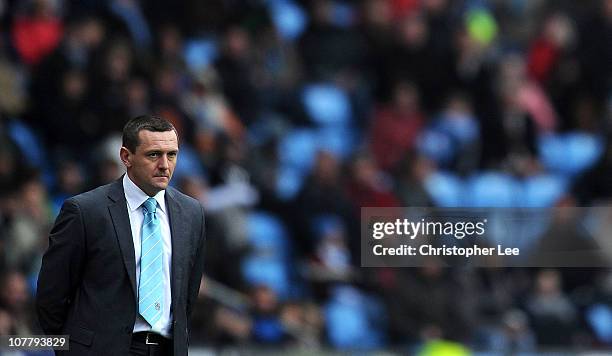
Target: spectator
{"points": [[29, 223], [369, 186], [16, 301], [395, 128], [420, 308], [268, 328], [552, 314], [412, 172], [236, 73], [70, 181], [63, 78], [38, 31], [6, 323], [553, 64], [322, 192]]}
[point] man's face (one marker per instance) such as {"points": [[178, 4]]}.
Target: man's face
{"points": [[152, 165]]}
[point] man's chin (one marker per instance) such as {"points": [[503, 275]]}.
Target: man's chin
{"points": [[161, 182]]}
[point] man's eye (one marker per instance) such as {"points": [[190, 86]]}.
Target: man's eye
{"points": [[154, 154]]}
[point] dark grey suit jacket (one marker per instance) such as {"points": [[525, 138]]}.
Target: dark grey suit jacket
{"points": [[87, 282]]}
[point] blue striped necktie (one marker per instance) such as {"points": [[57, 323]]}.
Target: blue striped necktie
{"points": [[150, 288]]}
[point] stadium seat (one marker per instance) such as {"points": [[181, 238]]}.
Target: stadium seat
{"points": [[288, 182], [28, 143], [571, 153], [445, 189], [492, 190], [436, 146], [298, 149], [463, 129], [349, 323], [288, 17], [267, 271], [266, 233], [599, 318], [542, 191], [326, 104], [188, 165], [199, 53], [338, 141]]}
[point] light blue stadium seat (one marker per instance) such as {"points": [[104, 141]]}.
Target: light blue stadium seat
{"points": [[199, 53], [327, 104], [599, 317], [188, 164], [338, 141], [492, 190], [571, 153], [288, 182], [298, 149], [267, 271], [28, 143], [288, 17], [266, 233], [445, 189], [350, 323], [542, 191], [437, 146], [464, 129]]}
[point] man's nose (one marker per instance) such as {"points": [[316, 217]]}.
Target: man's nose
{"points": [[163, 162]]}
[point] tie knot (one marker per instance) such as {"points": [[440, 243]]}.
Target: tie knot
{"points": [[149, 205]]}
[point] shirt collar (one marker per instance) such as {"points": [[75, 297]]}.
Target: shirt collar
{"points": [[135, 196]]}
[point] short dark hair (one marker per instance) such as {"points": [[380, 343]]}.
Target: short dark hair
{"points": [[143, 122]]}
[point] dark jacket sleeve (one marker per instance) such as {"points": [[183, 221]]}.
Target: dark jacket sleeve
{"points": [[197, 270], [61, 269]]}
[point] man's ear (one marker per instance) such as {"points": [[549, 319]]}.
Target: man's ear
{"points": [[126, 156]]}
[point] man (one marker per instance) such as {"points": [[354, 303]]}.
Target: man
{"points": [[125, 260]]}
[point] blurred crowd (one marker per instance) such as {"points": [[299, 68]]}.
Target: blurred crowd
{"points": [[292, 115]]}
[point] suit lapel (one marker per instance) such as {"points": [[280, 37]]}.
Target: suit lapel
{"points": [[121, 222], [177, 230]]}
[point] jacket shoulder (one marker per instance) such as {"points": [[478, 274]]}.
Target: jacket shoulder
{"points": [[95, 196], [184, 199]]}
